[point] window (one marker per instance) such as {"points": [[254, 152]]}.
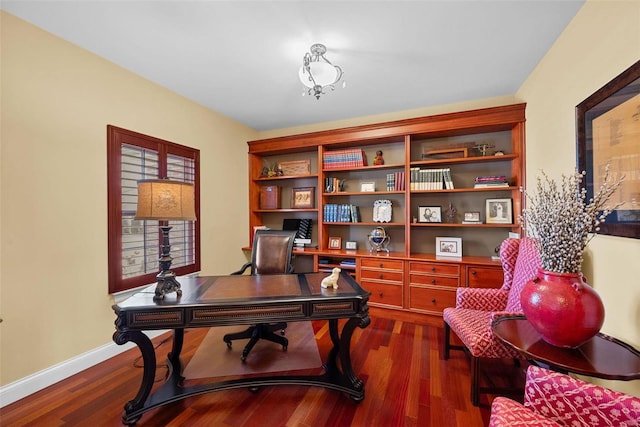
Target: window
{"points": [[134, 246]]}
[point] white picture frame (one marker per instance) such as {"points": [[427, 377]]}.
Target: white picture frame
{"points": [[449, 247], [499, 211], [368, 187]]}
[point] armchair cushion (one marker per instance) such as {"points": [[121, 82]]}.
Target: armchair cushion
{"points": [[568, 402], [506, 412], [481, 299], [526, 267]]}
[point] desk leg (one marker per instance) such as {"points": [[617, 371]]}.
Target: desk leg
{"points": [[148, 375], [342, 350]]}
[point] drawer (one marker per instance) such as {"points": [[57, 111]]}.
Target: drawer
{"points": [[394, 276], [434, 268], [434, 300], [384, 294], [431, 280], [484, 277], [385, 264]]}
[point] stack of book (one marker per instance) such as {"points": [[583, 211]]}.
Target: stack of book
{"points": [[348, 158], [430, 179], [395, 181], [334, 212], [491, 181]]}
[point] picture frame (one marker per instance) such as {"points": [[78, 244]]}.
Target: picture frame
{"points": [[472, 216], [607, 127], [449, 247], [429, 214], [368, 187], [302, 197], [335, 242], [499, 211], [295, 167]]}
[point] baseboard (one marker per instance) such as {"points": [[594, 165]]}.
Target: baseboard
{"points": [[28, 385]]}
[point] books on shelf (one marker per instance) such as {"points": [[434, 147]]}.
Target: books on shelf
{"points": [[348, 158], [348, 263], [490, 181], [430, 179], [334, 212], [395, 181]]}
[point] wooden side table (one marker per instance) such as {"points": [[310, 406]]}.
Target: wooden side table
{"points": [[602, 356]]}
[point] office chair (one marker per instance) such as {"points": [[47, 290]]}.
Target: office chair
{"points": [[270, 254]]}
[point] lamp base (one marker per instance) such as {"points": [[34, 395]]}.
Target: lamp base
{"points": [[167, 283]]}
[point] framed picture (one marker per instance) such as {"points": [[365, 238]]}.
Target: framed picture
{"points": [[335, 243], [449, 246], [296, 167], [608, 127], [499, 211], [303, 197], [429, 214], [472, 216], [367, 187]]}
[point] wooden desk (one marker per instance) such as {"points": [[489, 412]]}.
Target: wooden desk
{"points": [[237, 300], [602, 356]]}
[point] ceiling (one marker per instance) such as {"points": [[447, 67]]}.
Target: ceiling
{"points": [[241, 58]]}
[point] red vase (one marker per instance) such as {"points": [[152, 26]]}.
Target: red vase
{"points": [[564, 310]]}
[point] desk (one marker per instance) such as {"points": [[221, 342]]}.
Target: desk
{"points": [[239, 300], [602, 356]]}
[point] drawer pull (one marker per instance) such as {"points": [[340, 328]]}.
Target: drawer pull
{"points": [[473, 272], [433, 269], [380, 294], [433, 300], [433, 281], [381, 276], [381, 265]]}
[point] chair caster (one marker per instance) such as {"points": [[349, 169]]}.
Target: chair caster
{"points": [[284, 348], [228, 344]]}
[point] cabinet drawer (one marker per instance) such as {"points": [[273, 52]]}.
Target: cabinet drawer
{"points": [[434, 268], [428, 279], [434, 300], [384, 294], [384, 264], [484, 277], [394, 276]]}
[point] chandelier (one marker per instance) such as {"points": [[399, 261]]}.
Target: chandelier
{"points": [[317, 72]]}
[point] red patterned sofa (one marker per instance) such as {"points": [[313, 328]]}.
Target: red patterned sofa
{"points": [[555, 399], [476, 308]]}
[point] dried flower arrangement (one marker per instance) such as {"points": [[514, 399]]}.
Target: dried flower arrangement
{"points": [[563, 221]]}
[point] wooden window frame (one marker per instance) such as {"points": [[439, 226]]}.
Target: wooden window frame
{"points": [[116, 138]]}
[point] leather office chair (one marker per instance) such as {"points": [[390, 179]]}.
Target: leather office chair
{"points": [[270, 254]]}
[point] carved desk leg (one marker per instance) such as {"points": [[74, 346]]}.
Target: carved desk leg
{"points": [[149, 360]]}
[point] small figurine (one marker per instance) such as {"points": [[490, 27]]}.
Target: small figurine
{"points": [[451, 213], [332, 280], [378, 160]]}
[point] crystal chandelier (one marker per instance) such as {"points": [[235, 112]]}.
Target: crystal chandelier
{"points": [[317, 72]]}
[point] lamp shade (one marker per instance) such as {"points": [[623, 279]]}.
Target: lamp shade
{"points": [[324, 74], [165, 200]]}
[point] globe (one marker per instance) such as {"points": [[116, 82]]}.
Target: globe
{"points": [[378, 240]]}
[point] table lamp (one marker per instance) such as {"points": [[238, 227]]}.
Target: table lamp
{"points": [[164, 200]]}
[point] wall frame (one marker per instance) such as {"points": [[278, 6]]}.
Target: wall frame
{"points": [[607, 131], [335, 242]]}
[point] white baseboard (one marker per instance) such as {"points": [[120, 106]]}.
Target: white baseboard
{"points": [[40, 380]]}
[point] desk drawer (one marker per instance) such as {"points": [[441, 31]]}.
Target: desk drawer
{"points": [[384, 264], [433, 300], [384, 293], [428, 279], [393, 276], [435, 268]]}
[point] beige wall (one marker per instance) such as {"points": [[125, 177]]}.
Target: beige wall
{"points": [[603, 40], [57, 100]]}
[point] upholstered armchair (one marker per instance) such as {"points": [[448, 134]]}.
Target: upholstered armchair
{"points": [[555, 399], [477, 308], [270, 254]]}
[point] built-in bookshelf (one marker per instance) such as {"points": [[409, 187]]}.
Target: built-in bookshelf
{"points": [[431, 165]]}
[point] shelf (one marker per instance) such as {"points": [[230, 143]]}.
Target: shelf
{"points": [[362, 193], [466, 190], [445, 224], [277, 178], [478, 159], [365, 168], [285, 210], [386, 224]]}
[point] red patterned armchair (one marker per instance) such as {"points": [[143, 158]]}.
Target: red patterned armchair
{"points": [[555, 399], [476, 308]]}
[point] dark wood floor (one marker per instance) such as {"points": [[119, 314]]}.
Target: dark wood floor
{"points": [[407, 384]]}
